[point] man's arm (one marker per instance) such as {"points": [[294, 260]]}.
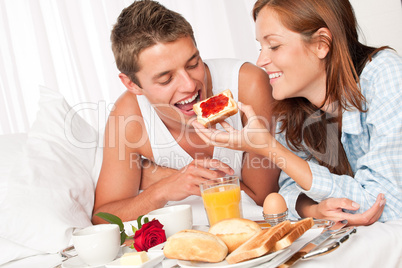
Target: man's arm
{"points": [[119, 182], [260, 176]]}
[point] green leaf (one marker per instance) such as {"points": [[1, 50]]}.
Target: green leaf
{"points": [[123, 237], [114, 220], [134, 229], [146, 220], [139, 224], [111, 219]]}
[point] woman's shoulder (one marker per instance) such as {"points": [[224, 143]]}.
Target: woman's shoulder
{"points": [[381, 83], [384, 71], [386, 62]]}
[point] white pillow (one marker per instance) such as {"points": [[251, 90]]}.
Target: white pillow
{"points": [[11, 150], [50, 190]]}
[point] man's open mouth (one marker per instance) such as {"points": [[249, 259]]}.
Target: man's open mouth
{"points": [[187, 104]]}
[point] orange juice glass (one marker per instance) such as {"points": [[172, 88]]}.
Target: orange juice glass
{"points": [[222, 199]]}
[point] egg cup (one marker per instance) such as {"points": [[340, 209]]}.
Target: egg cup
{"points": [[274, 219]]}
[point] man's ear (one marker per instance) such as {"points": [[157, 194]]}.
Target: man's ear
{"points": [[130, 85], [324, 37]]}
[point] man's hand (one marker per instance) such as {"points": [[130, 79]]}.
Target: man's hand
{"points": [[179, 184]]}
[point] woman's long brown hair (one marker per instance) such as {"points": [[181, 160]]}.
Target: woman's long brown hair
{"points": [[308, 128]]}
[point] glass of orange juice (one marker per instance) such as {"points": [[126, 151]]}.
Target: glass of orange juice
{"points": [[222, 199]]}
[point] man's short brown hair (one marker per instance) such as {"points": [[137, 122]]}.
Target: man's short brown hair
{"points": [[141, 25]]}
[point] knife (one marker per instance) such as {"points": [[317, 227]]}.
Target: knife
{"points": [[334, 245], [319, 240]]}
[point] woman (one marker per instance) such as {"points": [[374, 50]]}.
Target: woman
{"points": [[337, 106]]}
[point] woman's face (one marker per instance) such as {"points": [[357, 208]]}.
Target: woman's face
{"points": [[294, 69]]}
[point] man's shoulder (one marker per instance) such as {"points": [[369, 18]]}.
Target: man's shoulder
{"points": [[252, 78], [250, 70], [126, 120], [126, 105]]}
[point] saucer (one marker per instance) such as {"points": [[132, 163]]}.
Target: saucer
{"points": [[76, 262], [155, 257]]}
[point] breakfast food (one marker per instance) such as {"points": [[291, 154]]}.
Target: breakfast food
{"points": [[216, 108], [297, 230], [195, 245], [235, 231], [259, 244], [274, 203], [222, 199], [134, 258], [212, 246]]}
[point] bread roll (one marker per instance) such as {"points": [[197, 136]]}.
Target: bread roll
{"points": [[297, 230], [259, 244], [216, 108], [234, 232], [194, 245]]}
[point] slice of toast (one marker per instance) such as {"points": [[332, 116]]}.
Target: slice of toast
{"points": [[259, 244], [297, 230], [216, 108]]}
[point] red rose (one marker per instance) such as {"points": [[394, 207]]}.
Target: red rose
{"points": [[150, 235]]}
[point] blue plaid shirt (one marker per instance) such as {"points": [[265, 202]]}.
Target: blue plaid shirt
{"points": [[372, 142]]}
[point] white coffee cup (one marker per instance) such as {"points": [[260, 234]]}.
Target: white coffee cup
{"points": [[173, 218], [97, 244]]}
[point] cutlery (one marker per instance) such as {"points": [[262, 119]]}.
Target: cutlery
{"points": [[346, 233], [316, 242], [66, 254]]}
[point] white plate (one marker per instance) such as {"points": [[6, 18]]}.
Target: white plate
{"points": [[155, 257], [244, 264]]}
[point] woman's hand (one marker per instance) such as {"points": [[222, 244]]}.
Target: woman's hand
{"points": [[332, 209], [254, 137]]}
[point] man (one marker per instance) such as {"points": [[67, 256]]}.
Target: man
{"points": [[163, 72]]}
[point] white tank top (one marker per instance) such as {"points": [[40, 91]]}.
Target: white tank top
{"points": [[166, 151]]}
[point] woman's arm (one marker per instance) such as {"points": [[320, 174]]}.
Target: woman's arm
{"points": [[372, 141], [257, 139], [325, 184]]}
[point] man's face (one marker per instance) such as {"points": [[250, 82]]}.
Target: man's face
{"points": [[173, 78]]}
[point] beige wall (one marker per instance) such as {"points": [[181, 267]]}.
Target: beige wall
{"points": [[380, 21]]}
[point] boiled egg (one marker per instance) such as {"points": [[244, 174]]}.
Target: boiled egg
{"points": [[274, 203]]}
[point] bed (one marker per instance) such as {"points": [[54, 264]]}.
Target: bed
{"points": [[47, 182]]}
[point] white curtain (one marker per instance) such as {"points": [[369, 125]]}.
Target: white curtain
{"points": [[64, 45]]}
